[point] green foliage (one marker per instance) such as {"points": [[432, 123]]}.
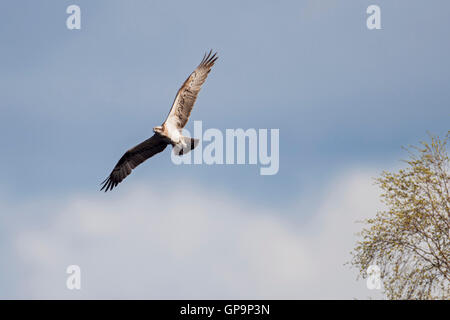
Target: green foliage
{"points": [[410, 239]]}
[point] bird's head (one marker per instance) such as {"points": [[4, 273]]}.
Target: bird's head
{"points": [[158, 129]]}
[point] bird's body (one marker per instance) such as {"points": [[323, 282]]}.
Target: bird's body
{"points": [[170, 131]]}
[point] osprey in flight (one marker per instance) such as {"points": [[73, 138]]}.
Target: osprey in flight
{"points": [[170, 131]]}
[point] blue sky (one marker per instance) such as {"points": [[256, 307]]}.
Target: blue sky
{"points": [[345, 99]]}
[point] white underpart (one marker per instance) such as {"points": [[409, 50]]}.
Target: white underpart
{"points": [[173, 133]]}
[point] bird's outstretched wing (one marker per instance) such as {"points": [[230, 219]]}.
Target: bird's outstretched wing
{"points": [[187, 94], [132, 158]]}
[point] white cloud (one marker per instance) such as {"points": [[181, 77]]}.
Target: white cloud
{"points": [[195, 243]]}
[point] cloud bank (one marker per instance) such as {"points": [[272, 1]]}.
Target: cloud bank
{"points": [[150, 242]]}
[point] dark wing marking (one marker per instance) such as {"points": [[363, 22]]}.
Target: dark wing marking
{"points": [[187, 94], [132, 158]]}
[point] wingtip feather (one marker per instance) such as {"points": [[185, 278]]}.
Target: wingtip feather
{"points": [[209, 58]]}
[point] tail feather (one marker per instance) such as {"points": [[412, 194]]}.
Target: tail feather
{"points": [[183, 148]]}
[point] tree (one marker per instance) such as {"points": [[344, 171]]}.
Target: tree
{"points": [[410, 240]]}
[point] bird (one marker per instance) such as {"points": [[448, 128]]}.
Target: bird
{"points": [[169, 133]]}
